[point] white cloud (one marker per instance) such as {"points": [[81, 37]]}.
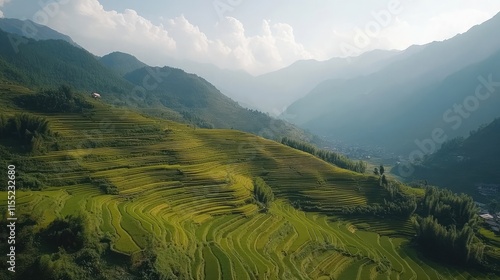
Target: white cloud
{"points": [[451, 23], [228, 43], [405, 30], [404, 33], [273, 48], [101, 32], [2, 3]]}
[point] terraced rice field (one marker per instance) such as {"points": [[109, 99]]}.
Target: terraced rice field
{"points": [[191, 190]]}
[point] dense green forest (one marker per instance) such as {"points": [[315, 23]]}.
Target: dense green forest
{"points": [[61, 100], [54, 62], [27, 130], [472, 160], [446, 227]]}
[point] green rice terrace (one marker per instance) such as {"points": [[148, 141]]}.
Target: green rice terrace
{"points": [[179, 201]]}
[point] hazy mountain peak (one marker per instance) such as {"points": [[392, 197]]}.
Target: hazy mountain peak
{"points": [[122, 63], [32, 30], [428, 78]]}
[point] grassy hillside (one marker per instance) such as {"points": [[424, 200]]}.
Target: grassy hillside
{"points": [[155, 198], [203, 104], [161, 92]]}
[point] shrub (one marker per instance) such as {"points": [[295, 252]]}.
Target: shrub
{"points": [[28, 130], [262, 192], [61, 100], [31, 183], [106, 186], [67, 233]]}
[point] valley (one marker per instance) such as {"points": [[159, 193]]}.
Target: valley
{"points": [[362, 167], [185, 195]]}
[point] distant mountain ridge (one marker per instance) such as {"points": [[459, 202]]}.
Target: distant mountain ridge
{"points": [[53, 62], [406, 99], [193, 96], [177, 95], [273, 92], [462, 163], [122, 63], [32, 30]]}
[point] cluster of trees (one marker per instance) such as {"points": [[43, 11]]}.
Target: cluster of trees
{"points": [[449, 208], [445, 223], [448, 243], [380, 171], [105, 186], [28, 130], [61, 100], [28, 181], [328, 156], [68, 232], [70, 248], [65, 249], [402, 209], [195, 120], [445, 227], [397, 204], [262, 192]]}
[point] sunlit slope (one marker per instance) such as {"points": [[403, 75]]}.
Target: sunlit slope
{"points": [[188, 191], [138, 154]]}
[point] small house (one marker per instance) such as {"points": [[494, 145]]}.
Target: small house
{"points": [[486, 216]]}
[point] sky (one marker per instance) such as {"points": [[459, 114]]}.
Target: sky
{"points": [[256, 36]]}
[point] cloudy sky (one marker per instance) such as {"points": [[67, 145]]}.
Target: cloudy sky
{"points": [[257, 36]]}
